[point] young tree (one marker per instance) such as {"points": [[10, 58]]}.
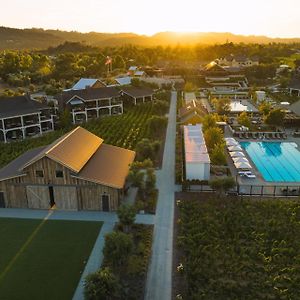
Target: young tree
{"points": [[213, 136], [136, 177], [217, 155], [126, 215], [209, 121], [244, 120], [222, 185], [146, 149], [150, 180], [101, 285], [222, 106], [118, 246], [264, 108], [275, 117], [156, 125]]}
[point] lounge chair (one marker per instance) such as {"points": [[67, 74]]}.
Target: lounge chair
{"points": [[246, 135], [254, 135], [284, 135], [250, 175], [241, 135], [278, 136]]}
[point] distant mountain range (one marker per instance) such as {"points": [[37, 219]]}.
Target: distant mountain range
{"points": [[12, 38]]}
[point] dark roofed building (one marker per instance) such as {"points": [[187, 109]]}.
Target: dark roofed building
{"points": [[294, 86], [137, 94], [89, 103], [192, 113], [22, 117], [76, 172]]}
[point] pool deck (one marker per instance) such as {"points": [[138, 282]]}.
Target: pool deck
{"points": [[259, 181]]}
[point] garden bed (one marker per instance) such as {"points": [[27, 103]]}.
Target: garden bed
{"points": [[134, 274]]}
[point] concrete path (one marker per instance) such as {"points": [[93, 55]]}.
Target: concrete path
{"points": [[106, 217], [95, 259], [159, 279]]}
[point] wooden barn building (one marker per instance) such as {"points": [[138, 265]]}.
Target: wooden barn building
{"points": [[76, 172]]}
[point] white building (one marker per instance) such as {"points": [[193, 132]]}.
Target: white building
{"points": [[197, 161], [261, 96]]}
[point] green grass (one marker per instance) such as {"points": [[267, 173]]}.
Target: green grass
{"points": [[43, 260]]}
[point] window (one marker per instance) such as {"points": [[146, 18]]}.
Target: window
{"points": [[59, 174], [39, 173]]}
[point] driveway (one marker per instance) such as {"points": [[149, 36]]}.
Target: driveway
{"points": [[159, 279]]}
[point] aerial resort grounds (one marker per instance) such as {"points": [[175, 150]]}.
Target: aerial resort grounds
{"points": [[43, 259]]}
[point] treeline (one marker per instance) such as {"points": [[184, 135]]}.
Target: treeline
{"points": [[60, 67]]}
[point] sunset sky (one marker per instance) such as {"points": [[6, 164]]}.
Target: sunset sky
{"points": [[275, 18]]}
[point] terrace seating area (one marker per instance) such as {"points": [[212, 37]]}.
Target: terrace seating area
{"points": [[239, 159]]}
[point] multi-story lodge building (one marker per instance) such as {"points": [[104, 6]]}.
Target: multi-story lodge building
{"points": [[76, 172], [22, 117], [89, 103]]}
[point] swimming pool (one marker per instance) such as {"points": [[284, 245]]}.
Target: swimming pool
{"points": [[276, 161]]}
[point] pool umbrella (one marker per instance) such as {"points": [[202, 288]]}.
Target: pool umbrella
{"points": [[237, 154], [243, 165], [235, 148], [240, 159]]}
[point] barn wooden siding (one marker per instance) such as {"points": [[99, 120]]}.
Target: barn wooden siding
{"points": [[70, 193]]}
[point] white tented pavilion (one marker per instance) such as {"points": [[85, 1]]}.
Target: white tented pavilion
{"points": [[237, 154], [197, 161]]}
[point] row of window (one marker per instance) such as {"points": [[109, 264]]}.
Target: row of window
{"points": [[40, 173]]}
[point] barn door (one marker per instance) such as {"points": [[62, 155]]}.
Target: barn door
{"points": [[2, 202], [105, 202], [38, 196], [65, 197]]}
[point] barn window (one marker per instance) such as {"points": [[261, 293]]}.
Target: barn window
{"points": [[59, 174], [39, 173]]}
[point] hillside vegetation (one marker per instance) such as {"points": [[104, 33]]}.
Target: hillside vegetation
{"points": [[35, 38]]}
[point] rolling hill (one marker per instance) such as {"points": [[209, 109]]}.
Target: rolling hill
{"points": [[35, 38]]}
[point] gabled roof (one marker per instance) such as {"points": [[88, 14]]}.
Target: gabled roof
{"points": [[15, 167], [108, 166], [191, 109], [137, 92], [295, 83], [19, 105], [83, 153], [83, 83], [214, 67], [133, 68], [295, 108], [91, 94], [75, 149], [72, 150], [123, 80]]}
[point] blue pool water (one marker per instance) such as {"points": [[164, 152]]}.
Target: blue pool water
{"points": [[275, 161]]}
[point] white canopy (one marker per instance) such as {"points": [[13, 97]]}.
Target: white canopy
{"points": [[232, 143], [235, 148], [237, 154], [242, 165], [240, 159]]}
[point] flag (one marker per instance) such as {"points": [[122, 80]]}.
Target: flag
{"points": [[108, 60]]}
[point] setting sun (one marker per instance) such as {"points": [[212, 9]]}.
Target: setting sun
{"points": [[144, 17]]}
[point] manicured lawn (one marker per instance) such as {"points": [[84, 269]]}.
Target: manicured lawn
{"points": [[43, 260], [233, 249]]}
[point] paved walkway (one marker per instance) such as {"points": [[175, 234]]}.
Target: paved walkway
{"points": [[159, 280], [106, 217]]}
